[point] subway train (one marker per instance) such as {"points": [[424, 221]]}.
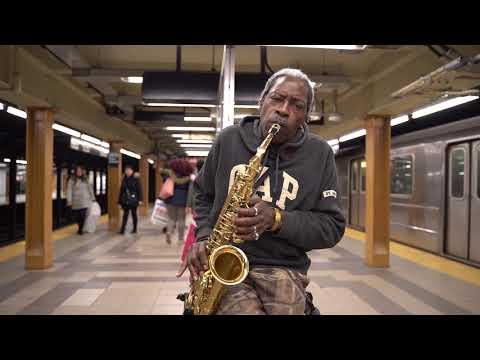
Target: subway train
{"points": [[434, 189]]}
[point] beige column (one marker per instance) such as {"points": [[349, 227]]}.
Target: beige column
{"points": [[38, 225], [377, 227]]}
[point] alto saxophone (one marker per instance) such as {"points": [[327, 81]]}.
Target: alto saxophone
{"points": [[227, 264]]}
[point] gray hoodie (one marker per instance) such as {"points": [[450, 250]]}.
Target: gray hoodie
{"points": [[79, 194], [300, 179]]}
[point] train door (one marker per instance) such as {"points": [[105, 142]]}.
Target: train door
{"points": [[463, 204], [354, 193], [363, 191], [474, 249]]}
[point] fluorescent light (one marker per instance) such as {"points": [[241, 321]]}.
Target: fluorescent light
{"points": [[335, 148], [247, 106], [442, 106], [17, 112], [352, 135], [76, 141], [196, 145], [181, 105], [332, 142], [105, 144], [151, 161], [23, 162], [1, 106], [66, 130], [334, 47], [91, 139], [130, 153], [399, 120], [197, 153], [189, 128], [133, 79], [6, 160], [194, 141], [197, 118]]}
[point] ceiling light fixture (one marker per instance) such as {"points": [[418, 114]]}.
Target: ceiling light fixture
{"points": [[130, 153], [197, 153], [91, 139], [399, 120], [151, 161], [442, 106], [247, 107], [197, 118], [194, 141], [333, 47], [2, 106], [17, 112], [196, 145], [332, 142], [66, 130], [133, 79], [189, 128], [180, 105], [353, 135]]}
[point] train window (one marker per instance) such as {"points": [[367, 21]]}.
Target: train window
{"points": [[21, 183], [401, 175], [63, 185], [98, 183], [104, 183], [458, 172], [4, 173], [54, 183], [363, 176], [354, 176], [91, 178]]}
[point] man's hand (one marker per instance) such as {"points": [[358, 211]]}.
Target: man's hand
{"points": [[250, 223], [197, 261]]}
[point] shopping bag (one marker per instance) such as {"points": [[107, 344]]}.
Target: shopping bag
{"points": [[188, 241], [159, 214], [93, 213], [167, 189]]}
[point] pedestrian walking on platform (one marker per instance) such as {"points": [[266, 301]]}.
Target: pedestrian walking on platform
{"points": [[129, 198], [79, 196]]}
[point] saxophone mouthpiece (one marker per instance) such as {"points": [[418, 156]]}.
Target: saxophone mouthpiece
{"points": [[275, 129]]}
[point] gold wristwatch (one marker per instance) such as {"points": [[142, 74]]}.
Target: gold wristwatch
{"points": [[278, 220]]}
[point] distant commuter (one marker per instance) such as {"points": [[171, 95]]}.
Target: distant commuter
{"points": [[129, 198], [179, 171], [79, 196]]}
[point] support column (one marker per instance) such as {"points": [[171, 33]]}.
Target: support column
{"points": [[159, 165], [114, 182], [143, 167], [38, 225], [378, 191]]}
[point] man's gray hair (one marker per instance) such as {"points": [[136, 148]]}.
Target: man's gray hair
{"points": [[294, 73]]}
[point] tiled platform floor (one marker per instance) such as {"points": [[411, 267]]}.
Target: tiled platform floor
{"points": [[106, 273]]}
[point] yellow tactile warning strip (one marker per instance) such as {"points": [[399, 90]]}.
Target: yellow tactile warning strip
{"points": [[452, 268], [18, 248]]}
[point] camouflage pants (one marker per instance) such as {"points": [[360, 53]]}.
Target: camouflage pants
{"points": [[266, 291]]}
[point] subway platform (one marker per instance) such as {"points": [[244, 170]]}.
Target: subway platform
{"points": [[108, 274]]}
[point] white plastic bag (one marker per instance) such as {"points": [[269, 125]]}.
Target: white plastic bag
{"points": [[159, 214], [93, 213]]}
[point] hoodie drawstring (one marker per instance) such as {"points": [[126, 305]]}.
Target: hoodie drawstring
{"points": [[276, 174]]}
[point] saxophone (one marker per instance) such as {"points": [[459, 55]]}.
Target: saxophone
{"points": [[227, 264]]}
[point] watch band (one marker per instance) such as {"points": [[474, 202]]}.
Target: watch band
{"points": [[277, 221]]}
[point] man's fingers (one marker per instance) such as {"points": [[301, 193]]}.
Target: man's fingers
{"points": [[254, 200], [246, 221], [192, 261], [203, 257], [182, 268], [246, 212]]}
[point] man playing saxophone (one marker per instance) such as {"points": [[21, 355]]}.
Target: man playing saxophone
{"points": [[295, 208]]}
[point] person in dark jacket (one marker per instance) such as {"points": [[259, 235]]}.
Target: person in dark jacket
{"points": [[295, 208], [180, 171], [129, 198]]}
